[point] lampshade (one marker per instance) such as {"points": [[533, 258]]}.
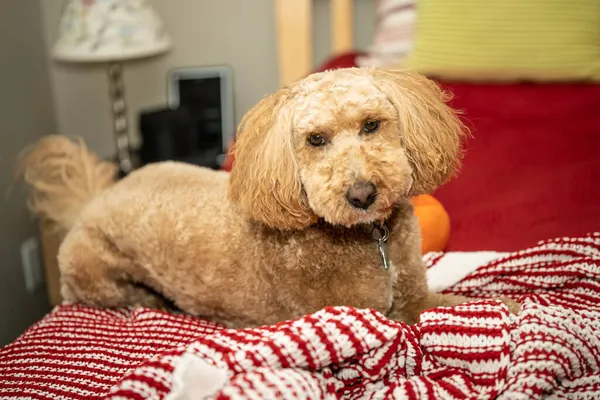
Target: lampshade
{"points": [[109, 30]]}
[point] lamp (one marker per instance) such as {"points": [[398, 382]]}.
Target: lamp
{"points": [[110, 32]]}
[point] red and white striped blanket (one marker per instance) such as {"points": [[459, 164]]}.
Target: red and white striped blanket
{"points": [[478, 350]]}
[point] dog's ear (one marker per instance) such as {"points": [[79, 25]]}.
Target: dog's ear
{"points": [[265, 179], [430, 130]]}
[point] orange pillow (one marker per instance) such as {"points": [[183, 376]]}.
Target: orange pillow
{"points": [[433, 218]]}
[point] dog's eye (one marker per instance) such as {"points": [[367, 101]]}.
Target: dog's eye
{"points": [[370, 126], [316, 140]]}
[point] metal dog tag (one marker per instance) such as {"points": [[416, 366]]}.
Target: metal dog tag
{"points": [[381, 235]]}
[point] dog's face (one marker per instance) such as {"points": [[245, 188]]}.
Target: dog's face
{"points": [[345, 146]]}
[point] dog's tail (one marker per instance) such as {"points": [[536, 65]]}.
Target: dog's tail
{"points": [[62, 177]]}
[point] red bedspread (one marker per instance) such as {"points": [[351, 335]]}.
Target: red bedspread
{"points": [[478, 350], [532, 168]]}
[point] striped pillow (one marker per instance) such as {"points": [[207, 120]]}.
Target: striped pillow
{"points": [[507, 40], [393, 37]]}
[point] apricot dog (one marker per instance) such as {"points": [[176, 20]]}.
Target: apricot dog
{"points": [[315, 212]]}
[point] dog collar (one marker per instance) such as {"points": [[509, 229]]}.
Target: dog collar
{"points": [[381, 235]]}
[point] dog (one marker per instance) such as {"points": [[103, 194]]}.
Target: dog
{"points": [[315, 212]]}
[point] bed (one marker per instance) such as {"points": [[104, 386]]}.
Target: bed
{"points": [[528, 234]]}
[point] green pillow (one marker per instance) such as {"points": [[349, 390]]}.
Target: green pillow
{"points": [[507, 40]]}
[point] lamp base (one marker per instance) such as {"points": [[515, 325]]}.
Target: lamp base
{"points": [[119, 112]]}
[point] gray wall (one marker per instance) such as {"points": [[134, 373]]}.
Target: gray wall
{"points": [[240, 33], [25, 114]]}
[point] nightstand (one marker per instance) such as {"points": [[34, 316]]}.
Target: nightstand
{"points": [[50, 242]]}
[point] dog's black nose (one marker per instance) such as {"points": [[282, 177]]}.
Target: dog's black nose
{"points": [[362, 195]]}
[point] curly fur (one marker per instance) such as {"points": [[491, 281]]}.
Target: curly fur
{"points": [[65, 176], [276, 239]]}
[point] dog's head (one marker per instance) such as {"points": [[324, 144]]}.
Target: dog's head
{"points": [[343, 145]]}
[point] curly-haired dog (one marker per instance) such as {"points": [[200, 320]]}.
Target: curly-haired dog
{"points": [[324, 168]]}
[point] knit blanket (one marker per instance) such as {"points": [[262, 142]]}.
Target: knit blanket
{"points": [[476, 350]]}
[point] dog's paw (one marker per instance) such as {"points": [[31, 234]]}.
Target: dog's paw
{"points": [[513, 306]]}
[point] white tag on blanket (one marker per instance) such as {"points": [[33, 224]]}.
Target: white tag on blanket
{"points": [[194, 378], [455, 266]]}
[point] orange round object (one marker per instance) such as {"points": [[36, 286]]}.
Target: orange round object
{"points": [[434, 222]]}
